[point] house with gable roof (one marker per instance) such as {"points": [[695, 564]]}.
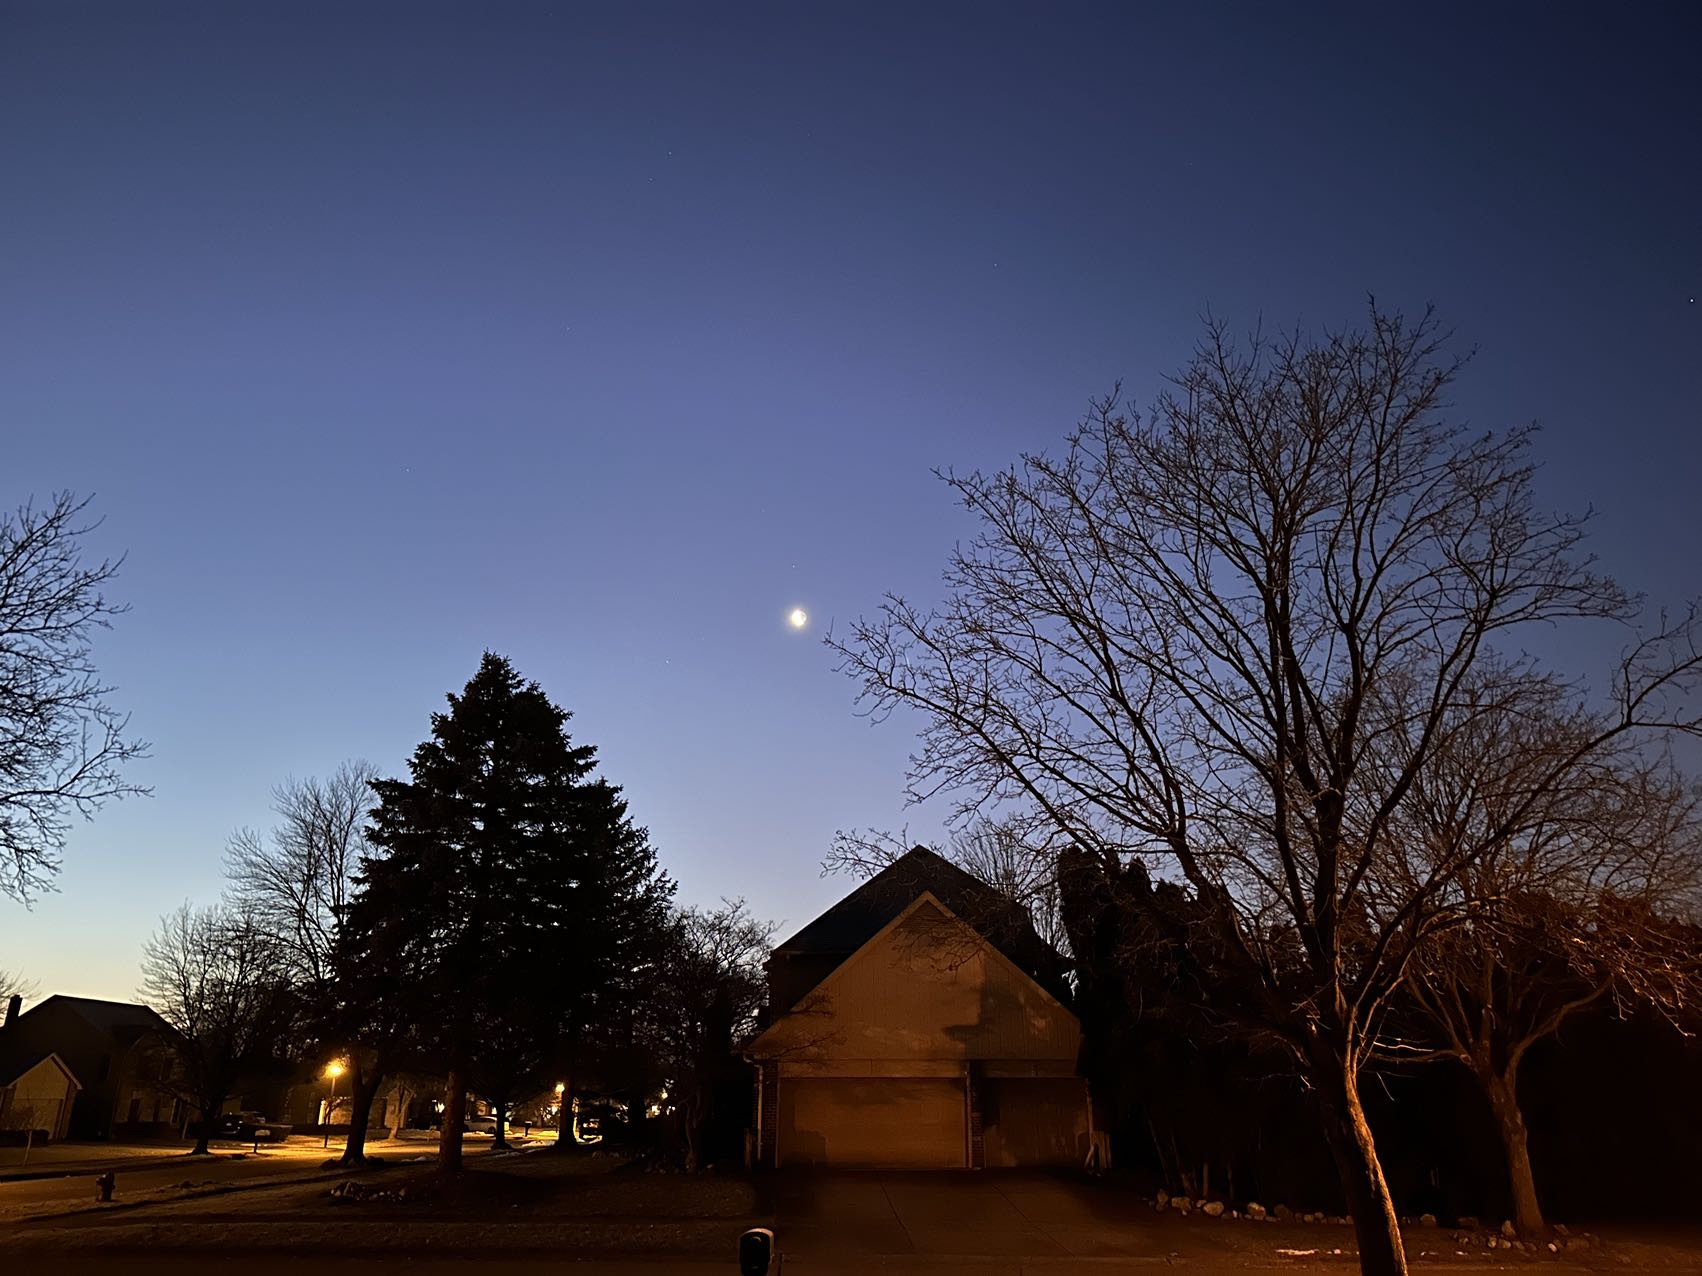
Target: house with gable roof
{"points": [[118, 1055], [36, 1095], [920, 1023]]}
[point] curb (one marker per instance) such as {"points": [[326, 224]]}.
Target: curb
{"points": [[78, 1169], [198, 1193], [715, 1241]]}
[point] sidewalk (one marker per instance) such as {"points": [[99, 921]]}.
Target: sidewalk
{"points": [[54, 1160], [63, 1160]]}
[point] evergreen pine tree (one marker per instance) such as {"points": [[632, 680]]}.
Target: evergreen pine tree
{"points": [[511, 886]]}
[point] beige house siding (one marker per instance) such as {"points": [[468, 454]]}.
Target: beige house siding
{"points": [[926, 1049], [40, 1099], [927, 992]]}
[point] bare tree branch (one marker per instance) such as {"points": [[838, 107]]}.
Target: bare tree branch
{"points": [[62, 745], [1235, 641]]}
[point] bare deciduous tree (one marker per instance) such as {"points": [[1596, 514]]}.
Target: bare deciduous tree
{"points": [[220, 979], [13, 984], [711, 988], [1578, 867], [62, 746], [1182, 640], [298, 879]]}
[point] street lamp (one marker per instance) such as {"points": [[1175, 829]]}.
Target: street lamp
{"points": [[332, 1070]]}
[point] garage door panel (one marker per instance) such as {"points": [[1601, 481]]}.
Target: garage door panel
{"points": [[1034, 1122], [874, 1123]]}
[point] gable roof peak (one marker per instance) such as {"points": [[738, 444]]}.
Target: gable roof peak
{"points": [[859, 916]]}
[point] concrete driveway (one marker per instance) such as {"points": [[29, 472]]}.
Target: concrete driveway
{"points": [[1023, 1219]]}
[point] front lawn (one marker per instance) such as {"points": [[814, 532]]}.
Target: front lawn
{"points": [[535, 1202]]}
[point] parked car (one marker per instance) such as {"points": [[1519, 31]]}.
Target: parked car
{"points": [[479, 1124], [251, 1127]]}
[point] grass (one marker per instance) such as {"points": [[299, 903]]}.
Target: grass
{"points": [[529, 1204]]}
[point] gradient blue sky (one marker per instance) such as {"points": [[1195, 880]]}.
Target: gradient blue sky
{"points": [[602, 335]]}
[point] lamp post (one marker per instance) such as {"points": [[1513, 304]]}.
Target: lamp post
{"points": [[333, 1070]]}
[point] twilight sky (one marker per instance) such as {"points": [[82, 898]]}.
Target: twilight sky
{"points": [[603, 335]]}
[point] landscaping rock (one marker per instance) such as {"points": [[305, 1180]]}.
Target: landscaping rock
{"points": [[1467, 1220], [1283, 1213], [1213, 1209], [1427, 1220], [1255, 1211], [1181, 1204], [1508, 1230], [1162, 1199]]}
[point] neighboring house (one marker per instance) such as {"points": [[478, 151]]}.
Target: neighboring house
{"points": [[117, 1052], [924, 1028], [36, 1093], [402, 1101]]}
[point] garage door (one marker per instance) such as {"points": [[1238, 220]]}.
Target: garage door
{"points": [[880, 1123], [1038, 1121]]}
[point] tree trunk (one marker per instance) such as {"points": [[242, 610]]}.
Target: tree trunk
{"points": [[454, 1117], [209, 1117], [1165, 1173], [499, 1109], [1375, 1224], [690, 1116], [1503, 1092], [564, 1117], [364, 1091], [405, 1096]]}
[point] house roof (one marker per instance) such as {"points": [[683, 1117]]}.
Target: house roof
{"points": [[14, 1064], [120, 1020], [772, 1034], [856, 919]]}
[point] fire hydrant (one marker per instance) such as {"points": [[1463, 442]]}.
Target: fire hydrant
{"points": [[104, 1183]]}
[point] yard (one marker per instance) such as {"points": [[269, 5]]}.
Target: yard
{"points": [[515, 1203], [524, 1207]]}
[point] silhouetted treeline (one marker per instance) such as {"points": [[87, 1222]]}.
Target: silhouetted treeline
{"points": [[1196, 1102], [497, 920]]}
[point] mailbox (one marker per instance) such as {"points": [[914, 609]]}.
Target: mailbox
{"points": [[756, 1252]]}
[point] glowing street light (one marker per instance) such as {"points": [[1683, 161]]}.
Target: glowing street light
{"points": [[334, 1069]]}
